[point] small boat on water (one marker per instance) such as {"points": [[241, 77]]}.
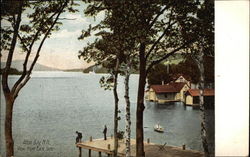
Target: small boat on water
{"points": [[158, 128]]}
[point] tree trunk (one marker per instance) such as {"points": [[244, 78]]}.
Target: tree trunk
{"points": [[200, 64], [8, 124], [9, 99], [140, 103], [116, 108], [10, 95], [128, 120]]}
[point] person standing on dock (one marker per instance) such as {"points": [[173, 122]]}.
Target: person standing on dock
{"points": [[105, 132], [79, 137]]}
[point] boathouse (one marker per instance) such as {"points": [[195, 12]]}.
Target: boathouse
{"points": [[192, 96], [170, 92]]}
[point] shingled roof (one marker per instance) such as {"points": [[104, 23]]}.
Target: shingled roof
{"points": [[196, 92], [173, 87]]}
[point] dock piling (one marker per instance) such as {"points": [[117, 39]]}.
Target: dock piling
{"points": [[80, 152], [90, 138], [100, 154], [148, 140], [89, 152], [183, 147]]}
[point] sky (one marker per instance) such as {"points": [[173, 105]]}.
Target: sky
{"points": [[61, 49]]}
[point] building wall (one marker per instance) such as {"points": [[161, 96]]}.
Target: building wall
{"points": [[151, 95], [166, 96], [189, 100], [161, 98], [208, 101], [177, 96], [181, 96]]}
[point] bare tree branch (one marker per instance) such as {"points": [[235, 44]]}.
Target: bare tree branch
{"points": [[163, 34], [156, 17], [158, 40], [24, 72]]}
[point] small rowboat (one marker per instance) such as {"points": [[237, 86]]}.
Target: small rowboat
{"points": [[158, 128]]}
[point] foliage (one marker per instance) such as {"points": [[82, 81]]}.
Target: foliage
{"points": [[120, 135], [107, 82], [148, 32], [187, 68], [156, 23], [30, 27], [37, 17], [113, 50], [158, 74], [25, 25], [204, 46], [204, 30]]}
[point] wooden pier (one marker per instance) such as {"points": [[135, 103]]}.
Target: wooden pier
{"points": [[151, 149], [104, 146]]}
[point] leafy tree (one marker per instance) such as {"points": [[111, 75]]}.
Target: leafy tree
{"points": [[188, 67], [164, 41], [41, 19], [115, 42], [204, 46], [127, 68], [158, 28], [158, 74], [104, 52]]}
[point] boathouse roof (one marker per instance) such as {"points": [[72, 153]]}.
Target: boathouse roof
{"points": [[196, 92], [173, 87]]}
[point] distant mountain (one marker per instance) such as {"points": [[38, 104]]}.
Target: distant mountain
{"points": [[18, 64], [73, 70], [96, 69], [100, 69]]}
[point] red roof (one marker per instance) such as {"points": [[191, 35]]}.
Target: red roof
{"points": [[196, 92], [173, 87]]}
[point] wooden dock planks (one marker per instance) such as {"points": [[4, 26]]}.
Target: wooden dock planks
{"points": [[151, 149], [104, 146]]}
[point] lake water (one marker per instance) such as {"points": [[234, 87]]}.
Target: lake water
{"points": [[53, 105]]}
